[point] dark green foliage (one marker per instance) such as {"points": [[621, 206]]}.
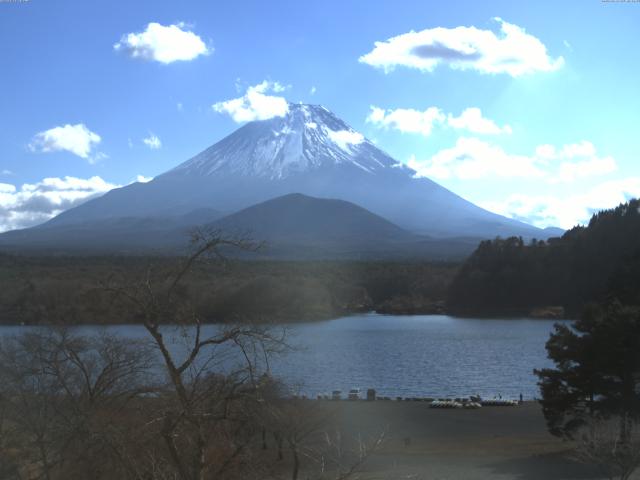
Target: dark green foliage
{"points": [[597, 369], [587, 264]]}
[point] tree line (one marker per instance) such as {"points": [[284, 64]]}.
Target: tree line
{"points": [[595, 263], [69, 290]]}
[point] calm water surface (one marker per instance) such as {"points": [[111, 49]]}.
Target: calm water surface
{"points": [[431, 355]]}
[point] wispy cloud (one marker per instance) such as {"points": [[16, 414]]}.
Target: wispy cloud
{"points": [[474, 159], [471, 119], [512, 51], [76, 139], [164, 44], [345, 139], [255, 104], [408, 120], [152, 141]]}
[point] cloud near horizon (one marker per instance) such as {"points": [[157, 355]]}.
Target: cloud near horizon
{"points": [[76, 139], [475, 159], [472, 159], [566, 211], [255, 104], [164, 44], [35, 203], [512, 51]]}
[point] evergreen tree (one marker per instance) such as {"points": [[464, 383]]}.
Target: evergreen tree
{"points": [[597, 373]]}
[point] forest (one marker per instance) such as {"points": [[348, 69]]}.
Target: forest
{"points": [[596, 263], [75, 290]]}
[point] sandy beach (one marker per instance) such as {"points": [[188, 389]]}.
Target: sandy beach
{"points": [[422, 443]]}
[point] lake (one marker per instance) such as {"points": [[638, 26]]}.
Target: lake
{"points": [[408, 356]]}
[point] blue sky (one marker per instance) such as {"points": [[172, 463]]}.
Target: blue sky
{"points": [[529, 110]]}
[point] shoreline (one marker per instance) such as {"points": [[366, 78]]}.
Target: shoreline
{"points": [[285, 322]]}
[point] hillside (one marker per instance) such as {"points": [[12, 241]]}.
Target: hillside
{"points": [[291, 227], [595, 263]]}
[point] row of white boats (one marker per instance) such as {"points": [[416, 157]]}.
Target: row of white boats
{"points": [[470, 403], [466, 403]]}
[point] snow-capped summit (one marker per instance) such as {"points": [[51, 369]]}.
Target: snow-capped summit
{"points": [[307, 137]]}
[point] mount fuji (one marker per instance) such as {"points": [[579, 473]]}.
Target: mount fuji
{"points": [[308, 151]]}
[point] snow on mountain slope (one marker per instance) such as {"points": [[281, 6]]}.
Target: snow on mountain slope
{"points": [[308, 137]]}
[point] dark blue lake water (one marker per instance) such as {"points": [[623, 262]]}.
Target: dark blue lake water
{"points": [[430, 355]]}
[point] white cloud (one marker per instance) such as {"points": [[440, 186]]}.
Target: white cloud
{"points": [[566, 211], [239, 85], [255, 104], [471, 119], [277, 87], [34, 203], [164, 44], [345, 138], [512, 51], [589, 167], [98, 157], [77, 139], [408, 120], [6, 172], [576, 160], [179, 106], [313, 90], [152, 141], [472, 159], [143, 179]]}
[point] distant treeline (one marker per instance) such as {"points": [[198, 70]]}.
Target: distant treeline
{"points": [[75, 290], [596, 263]]}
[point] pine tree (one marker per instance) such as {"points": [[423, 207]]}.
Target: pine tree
{"points": [[597, 372]]}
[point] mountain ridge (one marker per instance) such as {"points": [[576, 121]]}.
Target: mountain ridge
{"points": [[291, 227], [308, 151]]}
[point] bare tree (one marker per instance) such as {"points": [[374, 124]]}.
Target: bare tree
{"points": [[212, 377], [62, 395], [611, 444]]}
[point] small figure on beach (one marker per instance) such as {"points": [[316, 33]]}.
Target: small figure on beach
{"points": [[520, 398]]}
